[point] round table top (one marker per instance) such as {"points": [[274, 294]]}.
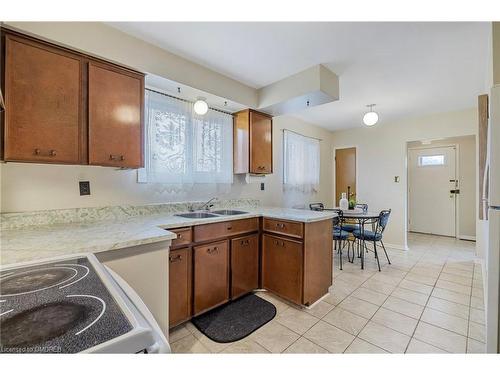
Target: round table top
{"points": [[359, 214]]}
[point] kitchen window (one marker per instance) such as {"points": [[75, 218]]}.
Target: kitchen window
{"points": [[301, 162], [182, 148]]}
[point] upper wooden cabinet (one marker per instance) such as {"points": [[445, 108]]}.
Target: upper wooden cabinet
{"points": [[253, 142], [44, 117], [64, 107], [116, 102]]}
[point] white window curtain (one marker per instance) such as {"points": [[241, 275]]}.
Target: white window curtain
{"points": [[301, 162], [182, 148]]}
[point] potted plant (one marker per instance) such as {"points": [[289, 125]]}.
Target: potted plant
{"points": [[351, 198]]}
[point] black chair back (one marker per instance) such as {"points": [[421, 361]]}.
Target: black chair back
{"points": [[383, 219], [337, 220], [316, 206], [362, 206]]}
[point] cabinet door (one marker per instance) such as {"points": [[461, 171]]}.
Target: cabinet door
{"points": [[244, 265], [211, 275], [116, 101], [261, 143], [179, 306], [43, 100], [282, 267]]}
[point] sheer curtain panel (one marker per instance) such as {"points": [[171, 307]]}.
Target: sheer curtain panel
{"points": [[301, 162], [182, 148]]}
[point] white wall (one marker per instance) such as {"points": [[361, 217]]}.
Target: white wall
{"points": [[28, 187], [382, 156], [467, 178]]}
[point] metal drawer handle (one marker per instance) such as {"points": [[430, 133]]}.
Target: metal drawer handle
{"points": [[279, 243], [116, 157], [179, 236], [229, 227], [212, 251], [177, 258], [50, 153], [280, 225], [245, 243]]}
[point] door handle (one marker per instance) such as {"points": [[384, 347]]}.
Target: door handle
{"points": [[455, 191]]}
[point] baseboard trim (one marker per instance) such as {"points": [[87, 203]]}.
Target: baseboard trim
{"points": [[466, 238], [397, 247]]}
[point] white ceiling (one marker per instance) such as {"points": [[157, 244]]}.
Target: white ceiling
{"points": [[407, 69]]}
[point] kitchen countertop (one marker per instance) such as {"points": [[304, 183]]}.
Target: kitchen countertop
{"points": [[39, 242]]}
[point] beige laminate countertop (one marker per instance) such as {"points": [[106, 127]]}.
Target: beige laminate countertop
{"points": [[39, 242]]}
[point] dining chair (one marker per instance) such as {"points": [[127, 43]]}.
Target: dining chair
{"points": [[375, 235], [317, 206], [362, 206], [339, 235]]}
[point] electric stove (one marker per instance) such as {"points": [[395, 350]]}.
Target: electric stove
{"points": [[70, 305]]}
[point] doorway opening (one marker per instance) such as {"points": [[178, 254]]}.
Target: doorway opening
{"points": [[441, 187], [345, 173]]}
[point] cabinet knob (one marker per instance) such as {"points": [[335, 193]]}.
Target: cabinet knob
{"points": [[116, 157], [179, 236], [229, 227], [177, 258], [213, 251], [37, 151]]}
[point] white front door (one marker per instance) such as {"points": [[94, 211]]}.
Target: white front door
{"points": [[431, 177]]}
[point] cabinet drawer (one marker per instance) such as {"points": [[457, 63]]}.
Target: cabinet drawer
{"points": [[214, 231], [288, 228], [211, 275], [179, 306], [184, 236], [244, 264], [282, 262]]}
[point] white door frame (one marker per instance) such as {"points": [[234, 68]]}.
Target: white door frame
{"points": [[334, 176], [457, 177]]}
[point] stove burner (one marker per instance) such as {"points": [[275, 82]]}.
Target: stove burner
{"points": [[35, 280], [42, 323]]}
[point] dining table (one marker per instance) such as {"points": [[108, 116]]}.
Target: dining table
{"points": [[362, 217]]}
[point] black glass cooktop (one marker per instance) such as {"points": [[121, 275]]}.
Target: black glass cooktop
{"points": [[61, 307]]}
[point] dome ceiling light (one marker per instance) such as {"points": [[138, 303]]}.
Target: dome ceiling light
{"points": [[200, 106], [371, 117]]}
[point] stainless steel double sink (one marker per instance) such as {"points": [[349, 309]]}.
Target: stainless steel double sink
{"points": [[205, 214]]}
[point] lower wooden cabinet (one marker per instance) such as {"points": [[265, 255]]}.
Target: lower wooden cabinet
{"points": [[180, 266], [282, 262], [211, 275], [244, 265]]}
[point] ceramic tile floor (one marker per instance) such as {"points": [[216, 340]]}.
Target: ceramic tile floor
{"points": [[430, 300]]}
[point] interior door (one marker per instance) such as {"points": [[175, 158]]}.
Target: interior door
{"points": [[431, 185], [345, 172]]}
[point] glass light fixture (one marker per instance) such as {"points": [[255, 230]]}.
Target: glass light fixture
{"points": [[200, 107], [371, 117]]}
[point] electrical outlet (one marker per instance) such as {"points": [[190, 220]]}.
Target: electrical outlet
{"points": [[262, 186], [84, 187]]}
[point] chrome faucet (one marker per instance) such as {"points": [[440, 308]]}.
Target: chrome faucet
{"points": [[205, 206]]}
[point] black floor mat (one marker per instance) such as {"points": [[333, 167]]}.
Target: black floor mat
{"points": [[236, 319]]}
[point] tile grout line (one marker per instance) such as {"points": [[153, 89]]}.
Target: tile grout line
{"points": [[415, 263]]}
